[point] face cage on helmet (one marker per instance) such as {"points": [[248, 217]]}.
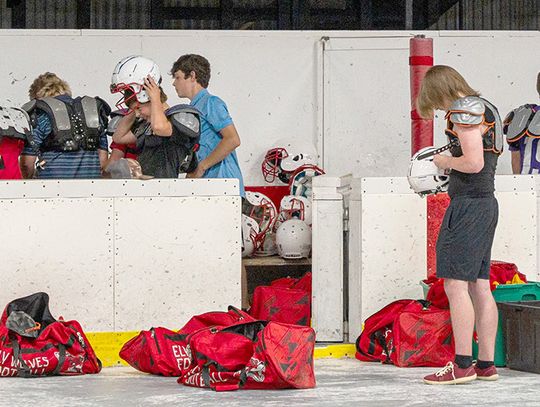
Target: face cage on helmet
{"points": [[297, 209], [123, 102], [264, 215], [253, 237], [291, 213], [317, 171], [437, 189], [271, 164]]}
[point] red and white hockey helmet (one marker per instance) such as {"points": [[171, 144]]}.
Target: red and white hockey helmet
{"points": [[283, 160], [129, 75], [262, 210], [293, 239], [300, 183]]}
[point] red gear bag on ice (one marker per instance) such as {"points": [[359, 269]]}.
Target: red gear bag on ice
{"points": [[286, 300], [161, 351], [407, 333], [376, 342], [33, 343], [254, 355], [422, 336]]}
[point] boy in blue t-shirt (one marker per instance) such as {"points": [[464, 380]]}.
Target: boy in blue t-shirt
{"points": [[219, 138]]}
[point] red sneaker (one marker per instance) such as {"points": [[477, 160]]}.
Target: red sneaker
{"points": [[451, 374], [489, 373]]}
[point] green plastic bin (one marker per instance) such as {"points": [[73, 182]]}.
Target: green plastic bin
{"points": [[504, 293]]}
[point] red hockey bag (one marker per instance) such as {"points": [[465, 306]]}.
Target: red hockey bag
{"points": [[376, 342], [164, 352], [422, 336], [303, 283], [33, 343], [287, 300], [254, 355]]}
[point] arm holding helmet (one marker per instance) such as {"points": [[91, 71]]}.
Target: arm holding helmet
{"points": [[161, 126], [472, 160]]}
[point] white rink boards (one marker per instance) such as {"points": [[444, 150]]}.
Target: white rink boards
{"points": [[122, 255], [386, 252]]}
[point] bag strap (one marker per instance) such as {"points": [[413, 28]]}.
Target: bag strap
{"points": [[22, 368], [205, 372]]}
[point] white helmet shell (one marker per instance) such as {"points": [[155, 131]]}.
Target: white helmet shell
{"points": [[424, 176], [293, 239], [131, 72], [250, 230], [262, 210]]}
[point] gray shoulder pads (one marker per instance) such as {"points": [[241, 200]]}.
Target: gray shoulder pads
{"points": [[187, 119], [534, 125], [468, 110]]}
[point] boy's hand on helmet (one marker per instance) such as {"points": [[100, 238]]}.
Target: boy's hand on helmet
{"points": [[152, 89]]}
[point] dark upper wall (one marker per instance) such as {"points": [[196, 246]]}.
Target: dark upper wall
{"points": [[272, 14]]}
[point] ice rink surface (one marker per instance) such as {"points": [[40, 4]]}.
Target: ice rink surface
{"points": [[340, 382]]}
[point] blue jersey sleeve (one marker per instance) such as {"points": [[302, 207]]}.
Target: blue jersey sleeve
{"points": [[42, 130]]}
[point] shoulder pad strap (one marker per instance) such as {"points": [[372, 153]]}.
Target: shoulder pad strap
{"points": [[516, 123], [534, 125], [14, 122], [492, 116], [468, 111]]}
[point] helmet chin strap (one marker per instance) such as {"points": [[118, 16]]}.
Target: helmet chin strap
{"points": [[453, 143]]}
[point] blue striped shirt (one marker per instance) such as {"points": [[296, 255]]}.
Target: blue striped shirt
{"points": [[63, 164]]}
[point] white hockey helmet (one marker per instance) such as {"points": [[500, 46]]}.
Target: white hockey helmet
{"points": [[424, 176], [129, 75], [250, 230], [294, 207], [301, 181], [293, 239], [281, 161], [262, 210]]}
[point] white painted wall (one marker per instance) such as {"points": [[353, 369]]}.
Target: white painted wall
{"points": [[352, 99]]}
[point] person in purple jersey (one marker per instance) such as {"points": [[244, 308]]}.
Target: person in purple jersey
{"points": [[522, 129]]}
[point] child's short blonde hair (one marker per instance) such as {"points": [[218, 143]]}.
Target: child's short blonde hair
{"points": [[48, 84]]}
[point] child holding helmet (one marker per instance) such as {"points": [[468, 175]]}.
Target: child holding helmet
{"points": [[467, 231], [166, 137]]}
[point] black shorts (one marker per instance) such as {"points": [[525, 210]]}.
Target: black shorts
{"points": [[466, 237]]}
